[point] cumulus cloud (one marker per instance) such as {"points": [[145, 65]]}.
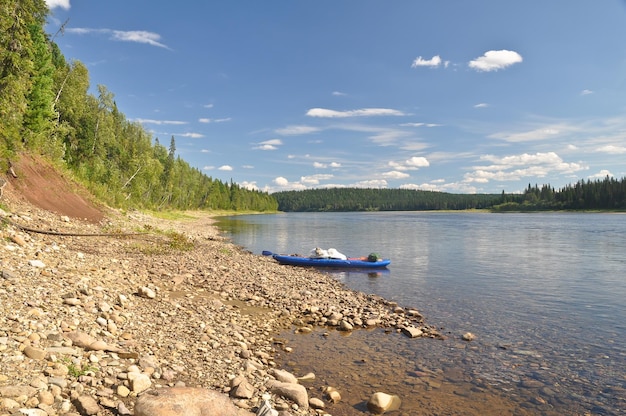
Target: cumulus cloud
{"points": [[395, 174], [137, 36], [586, 92], [225, 168], [601, 175], [251, 186], [281, 181], [413, 163], [374, 183], [495, 60], [364, 112], [53, 4], [516, 167], [612, 149], [433, 62], [315, 179]]}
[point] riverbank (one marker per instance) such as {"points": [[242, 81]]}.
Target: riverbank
{"points": [[100, 314]]}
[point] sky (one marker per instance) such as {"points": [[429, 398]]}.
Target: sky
{"points": [[455, 96]]}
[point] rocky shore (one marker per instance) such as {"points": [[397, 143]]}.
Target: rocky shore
{"points": [[138, 315]]}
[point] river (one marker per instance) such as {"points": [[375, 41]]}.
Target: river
{"points": [[543, 293]]}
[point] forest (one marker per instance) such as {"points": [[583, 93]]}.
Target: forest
{"points": [[46, 109], [608, 194]]}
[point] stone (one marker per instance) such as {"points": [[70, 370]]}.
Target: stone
{"points": [[468, 336], [188, 401], [87, 405], [241, 388], [35, 353], [146, 292], [345, 325], [139, 382], [332, 394], [412, 332], [316, 403], [295, 392], [284, 376], [307, 377], [381, 402]]}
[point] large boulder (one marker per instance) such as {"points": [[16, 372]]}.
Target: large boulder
{"points": [[381, 402], [188, 401]]}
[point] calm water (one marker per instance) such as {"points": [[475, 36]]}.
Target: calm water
{"points": [[544, 293]]}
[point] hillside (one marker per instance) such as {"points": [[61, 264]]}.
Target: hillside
{"points": [[34, 180]]}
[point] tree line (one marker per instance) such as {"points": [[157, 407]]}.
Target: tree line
{"points": [[368, 199], [46, 108], [606, 194]]}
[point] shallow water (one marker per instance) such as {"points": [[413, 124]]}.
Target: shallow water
{"points": [[543, 293]]}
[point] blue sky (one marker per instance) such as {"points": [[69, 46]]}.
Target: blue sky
{"points": [[453, 96]]}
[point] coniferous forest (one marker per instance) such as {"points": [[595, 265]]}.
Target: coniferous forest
{"points": [[46, 109], [607, 194]]}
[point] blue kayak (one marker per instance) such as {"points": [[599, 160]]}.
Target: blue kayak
{"points": [[354, 263]]}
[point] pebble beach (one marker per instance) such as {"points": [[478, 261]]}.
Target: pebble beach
{"points": [[135, 313]]}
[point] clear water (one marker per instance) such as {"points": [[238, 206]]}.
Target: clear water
{"points": [[544, 293]]}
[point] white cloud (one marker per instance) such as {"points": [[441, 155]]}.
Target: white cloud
{"points": [[612, 149], [335, 165], [601, 175], [495, 60], [281, 181], [542, 133], [339, 94], [433, 62], [516, 167], [417, 162], [374, 183], [159, 122], [191, 135], [138, 36], [269, 144], [208, 106], [296, 130], [53, 4], [315, 179], [413, 163], [395, 174], [364, 112], [214, 120], [481, 105], [225, 168], [586, 92], [208, 167], [318, 165], [251, 186]]}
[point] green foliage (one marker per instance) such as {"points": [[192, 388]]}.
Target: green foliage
{"points": [[75, 370], [45, 107], [606, 194], [359, 199]]}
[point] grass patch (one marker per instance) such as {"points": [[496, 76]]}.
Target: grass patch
{"points": [[75, 370]]}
